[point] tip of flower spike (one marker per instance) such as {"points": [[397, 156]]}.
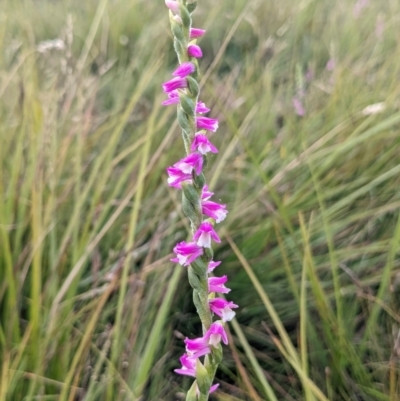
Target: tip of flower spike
{"points": [[172, 5]]}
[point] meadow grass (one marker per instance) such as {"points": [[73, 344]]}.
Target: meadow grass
{"points": [[91, 308]]}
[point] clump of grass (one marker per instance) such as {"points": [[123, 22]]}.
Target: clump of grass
{"points": [[88, 295]]}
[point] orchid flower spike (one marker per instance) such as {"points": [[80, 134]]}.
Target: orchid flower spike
{"points": [[187, 175]]}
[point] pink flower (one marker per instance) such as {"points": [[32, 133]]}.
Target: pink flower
{"points": [[172, 5], [205, 193], [330, 65], [184, 70], [192, 162], [223, 308], [204, 234], [188, 366], [197, 347], [214, 210], [216, 333], [209, 124], [203, 145], [186, 253], [177, 176], [196, 33], [358, 7], [173, 84], [212, 265], [173, 98], [201, 108], [195, 51], [298, 106], [216, 284]]}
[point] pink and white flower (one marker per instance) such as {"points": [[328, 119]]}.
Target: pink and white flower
{"points": [[223, 308], [202, 144], [204, 234], [176, 176], [214, 210], [186, 253], [197, 347], [184, 70], [216, 284], [192, 162], [216, 333], [195, 51], [188, 366], [174, 84], [209, 124]]}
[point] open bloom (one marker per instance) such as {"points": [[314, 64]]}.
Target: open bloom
{"points": [[192, 162], [214, 210], [216, 333], [223, 308], [176, 176], [196, 33], [204, 234], [203, 145], [216, 284], [209, 124], [197, 347], [184, 70], [186, 253], [188, 366], [174, 84], [173, 98], [195, 51]]}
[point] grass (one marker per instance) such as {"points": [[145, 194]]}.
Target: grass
{"points": [[91, 307]]}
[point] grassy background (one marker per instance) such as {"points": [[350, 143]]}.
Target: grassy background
{"points": [[90, 306]]}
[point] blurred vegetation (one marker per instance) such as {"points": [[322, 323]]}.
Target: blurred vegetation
{"points": [[90, 306]]}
